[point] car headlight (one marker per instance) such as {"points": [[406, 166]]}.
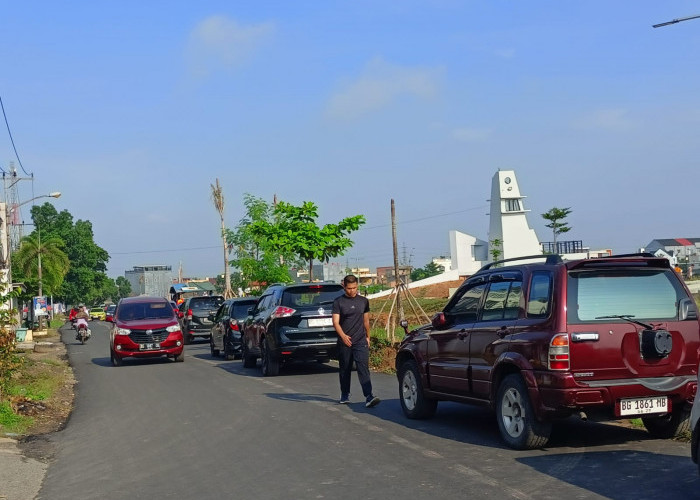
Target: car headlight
{"points": [[123, 331], [173, 328]]}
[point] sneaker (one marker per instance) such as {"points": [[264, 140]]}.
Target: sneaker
{"points": [[372, 401], [344, 399]]}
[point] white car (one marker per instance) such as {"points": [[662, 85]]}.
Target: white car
{"points": [[695, 428]]}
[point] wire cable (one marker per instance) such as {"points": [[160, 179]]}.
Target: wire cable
{"points": [[11, 139]]}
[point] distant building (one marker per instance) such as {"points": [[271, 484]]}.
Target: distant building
{"points": [[150, 280], [386, 275], [681, 250]]}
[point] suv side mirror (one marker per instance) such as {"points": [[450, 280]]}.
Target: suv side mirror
{"points": [[210, 316], [439, 321], [251, 310]]}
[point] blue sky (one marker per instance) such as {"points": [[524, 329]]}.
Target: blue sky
{"points": [[132, 109]]}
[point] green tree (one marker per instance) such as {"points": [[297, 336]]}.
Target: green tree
{"points": [[123, 287], [430, 269], [496, 250], [255, 263], [556, 217], [86, 280], [54, 263], [295, 231]]}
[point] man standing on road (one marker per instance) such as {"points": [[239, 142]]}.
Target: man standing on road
{"points": [[351, 323]]}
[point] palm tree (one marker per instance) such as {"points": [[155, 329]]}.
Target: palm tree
{"points": [[54, 261], [217, 197]]}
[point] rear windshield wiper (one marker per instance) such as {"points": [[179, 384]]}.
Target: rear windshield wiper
{"points": [[626, 317], [326, 302]]}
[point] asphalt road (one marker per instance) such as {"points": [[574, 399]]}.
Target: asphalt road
{"points": [[209, 429]]}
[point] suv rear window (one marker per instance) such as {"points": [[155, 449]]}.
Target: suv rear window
{"points": [[240, 309], [206, 302], [312, 295], [641, 294]]}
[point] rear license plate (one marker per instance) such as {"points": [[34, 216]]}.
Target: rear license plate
{"points": [[320, 321], [149, 347], [641, 406]]}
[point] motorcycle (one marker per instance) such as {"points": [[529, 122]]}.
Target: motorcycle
{"points": [[83, 332]]}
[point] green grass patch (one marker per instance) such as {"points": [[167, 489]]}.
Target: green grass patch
{"points": [[11, 422], [36, 382]]}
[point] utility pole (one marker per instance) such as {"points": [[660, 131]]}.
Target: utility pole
{"points": [[399, 306]]}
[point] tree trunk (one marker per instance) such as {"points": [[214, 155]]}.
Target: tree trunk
{"points": [[228, 293]]}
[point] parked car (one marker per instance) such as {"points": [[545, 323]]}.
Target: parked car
{"points": [[291, 322], [145, 327], [97, 313], [695, 429], [613, 337], [109, 312], [226, 328], [194, 315]]}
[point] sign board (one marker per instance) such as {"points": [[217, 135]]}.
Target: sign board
{"points": [[40, 308]]}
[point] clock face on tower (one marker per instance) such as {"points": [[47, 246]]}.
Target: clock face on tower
{"points": [[507, 180]]}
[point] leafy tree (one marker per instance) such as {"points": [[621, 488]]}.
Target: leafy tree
{"points": [[86, 280], [496, 250], [430, 269], [295, 231], [217, 196], [54, 263], [255, 263], [123, 287], [556, 217]]}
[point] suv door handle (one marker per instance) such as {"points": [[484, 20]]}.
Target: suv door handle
{"points": [[462, 334], [502, 332]]}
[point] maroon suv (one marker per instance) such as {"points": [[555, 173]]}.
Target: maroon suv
{"points": [[145, 327], [614, 337]]}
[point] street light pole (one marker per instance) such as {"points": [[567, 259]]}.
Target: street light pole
{"points": [[55, 194]]}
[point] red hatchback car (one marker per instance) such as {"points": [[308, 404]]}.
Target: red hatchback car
{"points": [[145, 327]]}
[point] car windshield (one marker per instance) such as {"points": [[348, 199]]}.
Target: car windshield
{"points": [[640, 294], [206, 303], [96, 309], [312, 295], [144, 310], [111, 309]]}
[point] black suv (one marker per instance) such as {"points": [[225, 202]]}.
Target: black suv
{"points": [[291, 322], [195, 314], [226, 328], [614, 337]]}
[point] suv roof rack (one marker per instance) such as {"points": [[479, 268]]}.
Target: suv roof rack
{"points": [[551, 258]]}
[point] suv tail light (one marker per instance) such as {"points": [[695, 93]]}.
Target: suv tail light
{"points": [[559, 352], [189, 315], [233, 324], [282, 312]]}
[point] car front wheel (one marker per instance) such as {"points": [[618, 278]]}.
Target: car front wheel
{"points": [[248, 360], [413, 400], [519, 427]]}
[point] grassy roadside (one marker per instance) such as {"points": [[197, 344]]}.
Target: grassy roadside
{"points": [[39, 395]]}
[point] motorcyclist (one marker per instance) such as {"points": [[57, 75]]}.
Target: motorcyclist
{"points": [[81, 320]]}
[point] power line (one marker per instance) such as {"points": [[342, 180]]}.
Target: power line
{"points": [[11, 139], [429, 217]]}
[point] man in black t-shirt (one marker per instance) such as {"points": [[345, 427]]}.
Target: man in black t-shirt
{"points": [[351, 323]]}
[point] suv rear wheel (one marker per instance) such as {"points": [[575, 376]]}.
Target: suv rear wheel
{"points": [[668, 426], [519, 427], [413, 401], [270, 366]]}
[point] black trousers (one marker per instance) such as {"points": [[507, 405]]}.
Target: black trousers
{"points": [[360, 354]]}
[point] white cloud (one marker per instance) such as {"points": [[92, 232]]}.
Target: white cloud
{"points": [[605, 119], [219, 42], [379, 85], [465, 134]]}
